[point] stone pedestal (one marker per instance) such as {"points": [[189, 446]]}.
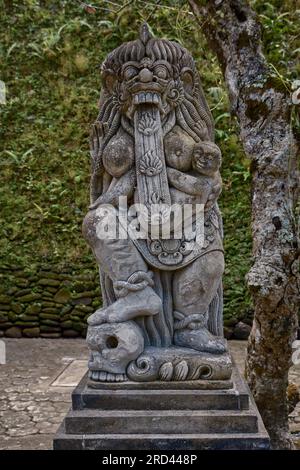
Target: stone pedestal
{"points": [[192, 415]]}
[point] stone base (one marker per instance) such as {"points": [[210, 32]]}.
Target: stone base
{"points": [[174, 364], [115, 416]]}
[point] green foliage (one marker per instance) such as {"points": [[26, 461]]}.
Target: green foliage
{"points": [[50, 55], [281, 22]]}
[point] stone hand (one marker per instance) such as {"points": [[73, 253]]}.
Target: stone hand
{"points": [[124, 187]]}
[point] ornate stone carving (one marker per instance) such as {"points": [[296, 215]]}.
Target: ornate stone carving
{"points": [[147, 124], [175, 364], [153, 143], [150, 164], [113, 346]]}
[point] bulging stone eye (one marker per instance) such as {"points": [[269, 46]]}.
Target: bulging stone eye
{"points": [[161, 71], [130, 72]]}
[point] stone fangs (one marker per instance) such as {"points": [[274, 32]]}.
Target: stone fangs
{"points": [[147, 97]]}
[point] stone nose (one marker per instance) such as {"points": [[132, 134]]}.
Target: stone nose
{"points": [[145, 75]]}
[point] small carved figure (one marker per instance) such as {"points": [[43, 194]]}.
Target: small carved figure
{"points": [[199, 175]]}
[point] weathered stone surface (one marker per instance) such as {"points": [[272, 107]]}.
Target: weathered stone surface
{"points": [[83, 308], [49, 329], [241, 331], [171, 158], [77, 314], [68, 333], [46, 295], [5, 324], [78, 326], [3, 316], [50, 322], [28, 318], [83, 294], [22, 282], [49, 316], [230, 322], [170, 419], [190, 395], [51, 310], [46, 303], [11, 316], [29, 297], [50, 335], [171, 442], [62, 296], [12, 290], [66, 324], [16, 307], [228, 332], [82, 300], [49, 282], [26, 324], [5, 299], [158, 327], [4, 307], [162, 421], [31, 332], [33, 309], [66, 309], [51, 290], [13, 332], [22, 292]]}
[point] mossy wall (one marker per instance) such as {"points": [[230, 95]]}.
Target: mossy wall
{"points": [[50, 53], [51, 301]]}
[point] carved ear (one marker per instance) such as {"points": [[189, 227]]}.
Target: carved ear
{"points": [[109, 79], [187, 77]]}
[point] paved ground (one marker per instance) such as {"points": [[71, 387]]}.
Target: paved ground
{"points": [[36, 385]]}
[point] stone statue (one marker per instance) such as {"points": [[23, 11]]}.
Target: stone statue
{"points": [[153, 144], [157, 345]]}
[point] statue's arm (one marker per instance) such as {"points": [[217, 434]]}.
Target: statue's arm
{"points": [[124, 187], [215, 191], [208, 189], [185, 182]]}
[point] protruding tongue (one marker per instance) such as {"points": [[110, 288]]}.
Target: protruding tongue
{"points": [[152, 180]]}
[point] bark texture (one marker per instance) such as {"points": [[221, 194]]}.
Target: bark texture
{"points": [[262, 106]]}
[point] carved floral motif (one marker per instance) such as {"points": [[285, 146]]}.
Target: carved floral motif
{"points": [[147, 124], [150, 164]]}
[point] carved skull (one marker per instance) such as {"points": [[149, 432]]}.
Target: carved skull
{"points": [[114, 345]]}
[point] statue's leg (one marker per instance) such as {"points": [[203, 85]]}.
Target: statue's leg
{"points": [[194, 287], [122, 262]]}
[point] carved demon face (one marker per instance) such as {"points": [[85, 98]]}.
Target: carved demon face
{"points": [[148, 71]]}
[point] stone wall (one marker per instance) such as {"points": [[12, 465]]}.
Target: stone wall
{"points": [[48, 301], [53, 301]]}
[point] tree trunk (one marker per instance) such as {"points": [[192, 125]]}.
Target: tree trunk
{"points": [[262, 105]]}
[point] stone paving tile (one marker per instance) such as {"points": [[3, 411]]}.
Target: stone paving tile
{"points": [[31, 409]]}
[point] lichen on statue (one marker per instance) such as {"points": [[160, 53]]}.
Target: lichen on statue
{"points": [[153, 142]]}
